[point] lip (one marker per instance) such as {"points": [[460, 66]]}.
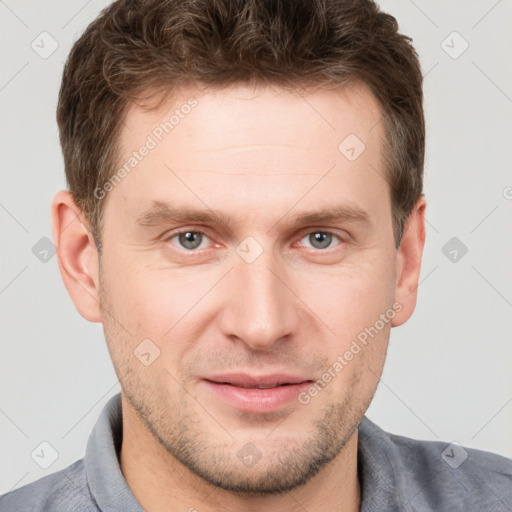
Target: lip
{"points": [[256, 394], [245, 380]]}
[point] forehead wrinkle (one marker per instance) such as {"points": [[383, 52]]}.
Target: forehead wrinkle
{"points": [[247, 174]]}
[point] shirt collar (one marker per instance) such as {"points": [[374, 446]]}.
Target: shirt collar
{"points": [[103, 471], [379, 487]]}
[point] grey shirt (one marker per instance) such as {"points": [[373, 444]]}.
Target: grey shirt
{"points": [[396, 474]]}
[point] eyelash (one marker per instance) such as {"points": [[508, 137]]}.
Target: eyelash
{"points": [[302, 235]]}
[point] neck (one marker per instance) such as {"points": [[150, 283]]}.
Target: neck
{"points": [[160, 482]]}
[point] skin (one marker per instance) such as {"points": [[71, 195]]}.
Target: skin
{"points": [[260, 157]]}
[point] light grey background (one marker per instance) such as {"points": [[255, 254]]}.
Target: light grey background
{"points": [[448, 374]]}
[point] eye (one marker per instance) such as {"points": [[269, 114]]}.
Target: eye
{"points": [[189, 240], [320, 239]]}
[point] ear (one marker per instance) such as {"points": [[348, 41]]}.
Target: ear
{"points": [[408, 262], [77, 255]]}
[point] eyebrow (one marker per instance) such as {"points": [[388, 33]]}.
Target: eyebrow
{"points": [[162, 213]]}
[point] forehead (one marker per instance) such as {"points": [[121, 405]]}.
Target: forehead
{"points": [[242, 148], [251, 115]]}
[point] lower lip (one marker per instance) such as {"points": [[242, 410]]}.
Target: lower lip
{"points": [[257, 400]]}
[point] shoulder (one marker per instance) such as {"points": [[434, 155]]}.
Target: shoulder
{"points": [[62, 491], [436, 475]]}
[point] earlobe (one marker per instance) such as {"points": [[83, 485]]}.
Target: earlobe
{"points": [[408, 262], [77, 255]]}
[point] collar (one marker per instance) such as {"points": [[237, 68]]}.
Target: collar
{"points": [[102, 467]]}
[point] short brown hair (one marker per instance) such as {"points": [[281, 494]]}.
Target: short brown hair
{"points": [[135, 46]]}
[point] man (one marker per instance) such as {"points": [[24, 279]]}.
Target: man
{"points": [[245, 217]]}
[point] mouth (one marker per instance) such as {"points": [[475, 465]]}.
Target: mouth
{"points": [[261, 386], [247, 381], [256, 394]]}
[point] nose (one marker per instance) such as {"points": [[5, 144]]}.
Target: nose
{"points": [[259, 308]]}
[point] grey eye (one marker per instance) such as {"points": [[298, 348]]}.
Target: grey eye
{"points": [[190, 239], [320, 239]]}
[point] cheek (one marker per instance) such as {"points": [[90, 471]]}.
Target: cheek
{"points": [[348, 298], [350, 301], [166, 306], [146, 299]]}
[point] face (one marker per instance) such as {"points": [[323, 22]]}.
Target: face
{"points": [[201, 310]]}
